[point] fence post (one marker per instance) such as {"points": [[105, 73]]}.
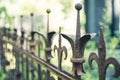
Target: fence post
{"points": [[48, 44], [78, 47], [32, 46]]}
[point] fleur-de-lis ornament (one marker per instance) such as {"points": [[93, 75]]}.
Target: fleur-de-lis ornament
{"points": [[101, 60], [78, 47], [60, 51], [48, 43], [48, 39]]}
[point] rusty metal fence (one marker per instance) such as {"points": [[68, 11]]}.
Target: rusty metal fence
{"points": [[33, 57]]}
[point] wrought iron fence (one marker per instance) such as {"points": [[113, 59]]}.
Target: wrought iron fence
{"points": [[28, 52]]}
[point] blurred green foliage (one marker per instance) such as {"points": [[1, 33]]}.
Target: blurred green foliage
{"points": [[2, 75], [5, 16]]}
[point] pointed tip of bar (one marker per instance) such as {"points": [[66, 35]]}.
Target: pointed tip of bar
{"points": [[78, 6], [101, 39], [31, 14], [101, 30], [48, 11]]}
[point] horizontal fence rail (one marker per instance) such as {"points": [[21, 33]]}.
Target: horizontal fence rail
{"points": [[33, 56]]}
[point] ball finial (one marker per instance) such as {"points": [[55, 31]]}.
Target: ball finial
{"points": [[31, 14], [21, 16], [48, 11], [78, 6]]}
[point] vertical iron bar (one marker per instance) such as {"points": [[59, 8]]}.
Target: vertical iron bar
{"points": [[2, 52], [22, 44], [27, 61], [27, 68], [60, 51], [17, 70], [32, 49], [60, 60], [78, 35], [39, 67], [78, 47], [32, 46], [48, 46]]}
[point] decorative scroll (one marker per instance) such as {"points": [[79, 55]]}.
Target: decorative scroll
{"points": [[101, 60]]}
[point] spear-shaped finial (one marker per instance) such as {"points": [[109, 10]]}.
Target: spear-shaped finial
{"points": [[32, 21], [48, 12], [21, 18], [78, 7]]}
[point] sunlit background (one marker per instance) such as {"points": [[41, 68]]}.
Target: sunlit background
{"points": [[62, 14]]}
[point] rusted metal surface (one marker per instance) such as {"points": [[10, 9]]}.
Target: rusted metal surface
{"points": [[29, 62], [101, 60]]}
